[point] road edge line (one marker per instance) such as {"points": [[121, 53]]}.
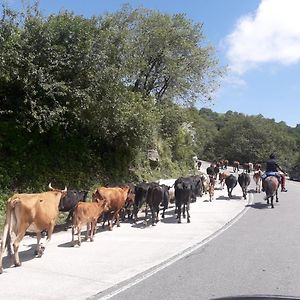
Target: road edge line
{"points": [[113, 291]]}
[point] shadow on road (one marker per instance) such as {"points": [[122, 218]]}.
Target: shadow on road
{"points": [[233, 197], [258, 297], [258, 205], [25, 255]]}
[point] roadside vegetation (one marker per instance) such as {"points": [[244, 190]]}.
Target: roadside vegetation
{"points": [[83, 100]]}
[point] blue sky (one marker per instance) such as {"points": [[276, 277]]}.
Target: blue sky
{"points": [[259, 41]]}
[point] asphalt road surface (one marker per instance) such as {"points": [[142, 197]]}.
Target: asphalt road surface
{"points": [[228, 250], [256, 258]]}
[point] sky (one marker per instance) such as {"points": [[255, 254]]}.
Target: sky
{"points": [[257, 40]]}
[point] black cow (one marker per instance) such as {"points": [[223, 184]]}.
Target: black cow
{"points": [[244, 181], [197, 187], [183, 193], [129, 203], [231, 182], [157, 195], [141, 191], [70, 201]]}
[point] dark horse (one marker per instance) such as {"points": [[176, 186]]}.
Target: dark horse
{"points": [[270, 185]]}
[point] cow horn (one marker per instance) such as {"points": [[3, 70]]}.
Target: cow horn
{"points": [[50, 187], [65, 189]]}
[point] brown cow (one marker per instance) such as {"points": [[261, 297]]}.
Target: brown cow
{"points": [[116, 198], [257, 167], [222, 177], [32, 213], [226, 162], [87, 213], [236, 166]]}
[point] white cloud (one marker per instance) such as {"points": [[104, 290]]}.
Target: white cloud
{"points": [[271, 34], [234, 81]]}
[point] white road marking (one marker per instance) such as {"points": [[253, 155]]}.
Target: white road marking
{"points": [[175, 258]]}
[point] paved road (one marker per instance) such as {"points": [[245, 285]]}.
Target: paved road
{"points": [[257, 258], [114, 258]]}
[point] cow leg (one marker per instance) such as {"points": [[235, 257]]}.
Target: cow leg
{"points": [[87, 231], [276, 194], [38, 239], [93, 225], [43, 246], [179, 214], [104, 218], [135, 213], [16, 244], [157, 215], [115, 219], [228, 190], [188, 213], [73, 234], [153, 216], [79, 234], [110, 223], [68, 218], [163, 213], [183, 211]]}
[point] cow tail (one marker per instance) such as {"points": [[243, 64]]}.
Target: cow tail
{"points": [[6, 242]]}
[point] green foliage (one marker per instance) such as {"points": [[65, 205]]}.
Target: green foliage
{"points": [[82, 100]]}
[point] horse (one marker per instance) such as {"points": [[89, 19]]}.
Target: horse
{"points": [[257, 179], [270, 185]]}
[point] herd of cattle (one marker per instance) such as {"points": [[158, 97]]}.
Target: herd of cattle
{"points": [[38, 212]]}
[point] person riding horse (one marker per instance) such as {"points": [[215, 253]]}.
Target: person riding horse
{"points": [[272, 169]]}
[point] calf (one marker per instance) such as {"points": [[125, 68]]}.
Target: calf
{"points": [[87, 213], [69, 202]]}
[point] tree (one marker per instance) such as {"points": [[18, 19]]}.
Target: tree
{"points": [[165, 55]]}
